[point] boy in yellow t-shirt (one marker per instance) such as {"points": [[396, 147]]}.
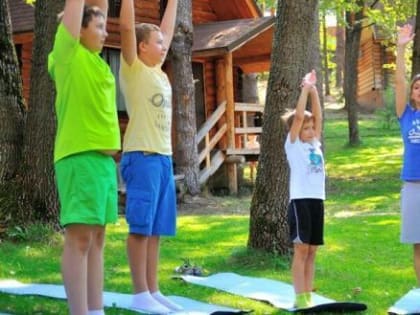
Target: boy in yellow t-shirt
{"points": [[146, 164], [87, 136]]}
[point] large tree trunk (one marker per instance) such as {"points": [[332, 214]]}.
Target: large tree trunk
{"points": [[339, 56], [325, 54], [183, 86], [290, 60], [11, 101], [353, 32], [416, 46], [39, 181]]}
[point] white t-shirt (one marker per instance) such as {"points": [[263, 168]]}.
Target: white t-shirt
{"points": [[307, 172]]}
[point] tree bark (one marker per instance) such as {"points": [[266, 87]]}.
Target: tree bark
{"points": [[183, 86], [39, 182], [416, 45], [352, 45], [12, 109], [339, 56], [290, 60], [325, 55]]}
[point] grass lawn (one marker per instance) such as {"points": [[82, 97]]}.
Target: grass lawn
{"points": [[362, 260]]}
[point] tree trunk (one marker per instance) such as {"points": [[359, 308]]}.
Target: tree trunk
{"points": [[290, 60], [39, 181], [339, 56], [416, 45], [183, 86], [325, 55], [353, 32], [11, 101]]}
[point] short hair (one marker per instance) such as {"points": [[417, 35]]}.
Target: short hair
{"points": [[413, 81], [289, 116], [89, 12], [143, 31]]}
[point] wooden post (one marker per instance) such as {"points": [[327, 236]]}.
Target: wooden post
{"points": [[230, 121], [221, 95]]}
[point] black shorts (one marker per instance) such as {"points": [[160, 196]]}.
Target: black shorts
{"points": [[306, 221]]}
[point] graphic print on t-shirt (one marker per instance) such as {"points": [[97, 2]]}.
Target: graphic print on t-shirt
{"points": [[414, 132], [163, 116], [315, 162]]}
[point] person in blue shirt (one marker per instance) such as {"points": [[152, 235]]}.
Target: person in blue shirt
{"points": [[408, 113]]}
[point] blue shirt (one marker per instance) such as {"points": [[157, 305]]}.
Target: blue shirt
{"points": [[410, 132]]}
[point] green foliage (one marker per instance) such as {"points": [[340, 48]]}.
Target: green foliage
{"points": [[37, 233], [386, 115], [267, 4]]}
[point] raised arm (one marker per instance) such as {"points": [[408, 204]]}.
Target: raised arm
{"points": [[316, 111], [167, 25], [128, 32], [72, 16], [405, 35], [308, 83]]}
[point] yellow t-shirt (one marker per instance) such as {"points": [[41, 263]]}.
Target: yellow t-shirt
{"points": [[85, 103], [148, 98]]}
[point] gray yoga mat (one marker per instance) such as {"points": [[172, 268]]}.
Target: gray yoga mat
{"points": [[112, 299], [279, 294], [408, 304]]}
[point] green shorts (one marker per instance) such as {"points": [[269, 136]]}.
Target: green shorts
{"points": [[87, 188]]}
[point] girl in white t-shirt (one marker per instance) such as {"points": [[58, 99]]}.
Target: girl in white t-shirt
{"points": [[307, 188]]}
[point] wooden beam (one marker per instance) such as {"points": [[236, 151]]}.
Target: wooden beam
{"points": [[230, 121], [248, 107], [221, 96]]}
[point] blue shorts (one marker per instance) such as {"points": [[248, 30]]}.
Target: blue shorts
{"points": [[151, 196]]}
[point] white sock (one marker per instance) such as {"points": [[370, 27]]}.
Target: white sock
{"points": [[145, 302], [158, 296], [96, 312]]}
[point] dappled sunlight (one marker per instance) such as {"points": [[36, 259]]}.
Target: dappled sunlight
{"points": [[388, 222]]}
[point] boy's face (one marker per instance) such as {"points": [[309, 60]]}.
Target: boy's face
{"points": [[154, 49], [93, 36], [307, 132]]}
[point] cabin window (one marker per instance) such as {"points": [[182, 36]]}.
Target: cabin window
{"points": [[112, 57], [114, 8]]}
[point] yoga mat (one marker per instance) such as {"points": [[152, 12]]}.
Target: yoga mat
{"points": [[408, 304], [277, 293], [112, 299]]}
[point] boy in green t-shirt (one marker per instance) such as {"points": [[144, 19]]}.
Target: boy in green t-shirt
{"points": [[87, 137]]}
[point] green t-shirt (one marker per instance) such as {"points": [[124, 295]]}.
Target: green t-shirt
{"points": [[85, 103]]}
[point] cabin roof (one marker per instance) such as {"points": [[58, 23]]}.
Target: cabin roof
{"points": [[245, 38], [227, 35], [22, 16]]}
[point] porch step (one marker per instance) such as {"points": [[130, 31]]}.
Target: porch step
{"points": [[216, 161]]}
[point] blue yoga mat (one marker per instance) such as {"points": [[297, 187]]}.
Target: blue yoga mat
{"points": [[408, 304], [112, 299], [279, 294]]}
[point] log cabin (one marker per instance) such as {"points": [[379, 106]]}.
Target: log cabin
{"points": [[231, 38]]}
